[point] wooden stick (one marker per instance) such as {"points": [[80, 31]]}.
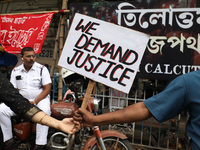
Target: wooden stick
{"points": [[40, 12], [55, 53], [88, 94], [62, 29]]}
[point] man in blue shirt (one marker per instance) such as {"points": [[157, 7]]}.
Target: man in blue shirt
{"points": [[182, 93]]}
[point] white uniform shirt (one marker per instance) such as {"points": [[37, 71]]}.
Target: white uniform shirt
{"points": [[30, 83]]}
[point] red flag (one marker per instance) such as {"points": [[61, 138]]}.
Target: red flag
{"points": [[26, 30]]}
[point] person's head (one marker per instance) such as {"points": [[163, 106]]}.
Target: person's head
{"points": [[28, 56]]}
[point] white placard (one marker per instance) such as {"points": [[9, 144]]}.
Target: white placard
{"points": [[104, 52]]}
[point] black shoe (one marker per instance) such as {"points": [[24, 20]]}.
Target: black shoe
{"points": [[11, 146], [40, 147]]}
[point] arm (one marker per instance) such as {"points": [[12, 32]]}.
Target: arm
{"points": [[46, 85], [66, 125], [132, 113], [44, 93]]}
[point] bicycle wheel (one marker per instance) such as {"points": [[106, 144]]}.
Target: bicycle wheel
{"points": [[111, 142]]}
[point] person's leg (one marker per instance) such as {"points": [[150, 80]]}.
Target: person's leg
{"points": [[41, 130], [6, 126], [5, 121]]}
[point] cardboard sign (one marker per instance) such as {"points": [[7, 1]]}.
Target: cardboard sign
{"points": [[104, 52]]}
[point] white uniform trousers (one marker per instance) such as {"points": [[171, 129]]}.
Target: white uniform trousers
{"points": [[6, 125]]}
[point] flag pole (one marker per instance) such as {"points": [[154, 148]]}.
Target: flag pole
{"points": [[61, 44], [55, 52]]}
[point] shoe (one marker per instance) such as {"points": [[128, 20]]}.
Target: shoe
{"points": [[40, 147], [11, 146]]}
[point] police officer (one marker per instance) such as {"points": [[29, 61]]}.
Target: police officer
{"points": [[22, 107], [34, 83]]}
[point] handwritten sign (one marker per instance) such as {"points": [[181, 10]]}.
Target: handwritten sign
{"points": [[104, 52]]}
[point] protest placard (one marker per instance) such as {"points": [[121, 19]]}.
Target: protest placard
{"points": [[104, 52]]}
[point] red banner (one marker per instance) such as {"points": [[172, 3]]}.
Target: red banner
{"points": [[27, 30]]}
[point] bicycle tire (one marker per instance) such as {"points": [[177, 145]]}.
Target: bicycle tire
{"points": [[110, 142]]}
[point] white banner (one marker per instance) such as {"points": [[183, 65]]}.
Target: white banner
{"points": [[104, 52]]}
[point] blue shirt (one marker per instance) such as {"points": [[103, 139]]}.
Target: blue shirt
{"points": [[182, 93]]}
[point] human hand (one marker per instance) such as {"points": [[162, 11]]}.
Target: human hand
{"points": [[67, 125], [83, 118]]}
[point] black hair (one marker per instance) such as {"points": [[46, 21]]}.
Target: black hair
{"points": [[26, 49]]}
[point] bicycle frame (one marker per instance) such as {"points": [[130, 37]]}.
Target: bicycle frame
{"points": [[99, 135]]}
